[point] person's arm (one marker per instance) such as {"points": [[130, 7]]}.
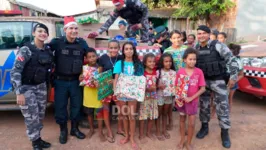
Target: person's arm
{"points": [[225, 52], [109, 22], [23, 56], [240, 75], [53, 44], [143, 8]]}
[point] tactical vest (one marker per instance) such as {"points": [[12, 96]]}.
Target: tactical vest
{"points": [[69, 59], [210, 62], [131, 14], [38, 68]]}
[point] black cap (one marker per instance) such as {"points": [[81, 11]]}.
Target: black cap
{"points": [[204, 28], [40, 25]]}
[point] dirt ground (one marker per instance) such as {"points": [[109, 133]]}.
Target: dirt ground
{"points": [[248, 131]]}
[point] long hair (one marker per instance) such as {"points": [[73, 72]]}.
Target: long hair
{"points": [[138, 68], [161, 65]]}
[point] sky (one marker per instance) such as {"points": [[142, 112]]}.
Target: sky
{"points": [[64, 7]]}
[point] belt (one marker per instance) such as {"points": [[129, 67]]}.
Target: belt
{"points": [[67, 78]]}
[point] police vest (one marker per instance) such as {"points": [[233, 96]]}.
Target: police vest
{"points": [[130, 13], [211, 63], [69, 59], [37, 69]]}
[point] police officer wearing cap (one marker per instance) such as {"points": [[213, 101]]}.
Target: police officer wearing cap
{"points": [[134, 12], [69, 53], [161, 38], [29, 77], [212, 60]]}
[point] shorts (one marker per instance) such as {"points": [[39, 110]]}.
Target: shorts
{"points": [[97, 112], [109, 98], [148, 109], [189, 108], [125, 99], [235, 87], [162, 100]]}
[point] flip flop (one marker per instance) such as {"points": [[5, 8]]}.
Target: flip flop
{"points": [[135, 146], [121, 133], [160, 138], [110, 139], [166, 135], [123, 141]]}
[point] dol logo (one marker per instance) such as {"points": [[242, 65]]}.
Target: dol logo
{"points": [[6, 85]]}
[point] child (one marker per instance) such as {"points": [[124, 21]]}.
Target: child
{"points": [[235, 50], [177, 51], [90, 98], [214, 34], [190, 103], [148, 108], [129, 65], [165, 73], [107, 62], [222, 37]]}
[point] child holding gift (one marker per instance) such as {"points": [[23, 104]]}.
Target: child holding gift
{"points": [[92, 106], [188, 105], [166, 80], [130, 65], [149, 107]]}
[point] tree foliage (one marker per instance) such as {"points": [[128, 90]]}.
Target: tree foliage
{"points": [[160, 3], [201, 9]]}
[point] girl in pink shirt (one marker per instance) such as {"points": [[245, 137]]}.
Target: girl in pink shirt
{"points": [[196, 86]]}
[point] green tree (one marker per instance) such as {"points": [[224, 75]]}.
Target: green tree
{"points": [[160, 3], [202, 9]]}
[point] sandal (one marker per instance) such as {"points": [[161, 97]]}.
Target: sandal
{"points": [[121, 133], [160, 138], [123, 141], [110, 139], [166, 135], [135, 146]]}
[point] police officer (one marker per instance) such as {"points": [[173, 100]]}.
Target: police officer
{"points": [[134, 12], [29, 77], [161, 38], [213, 58], [69, 53]]}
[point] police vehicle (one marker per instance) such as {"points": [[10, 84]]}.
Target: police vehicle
{"points": [[14, 31]]}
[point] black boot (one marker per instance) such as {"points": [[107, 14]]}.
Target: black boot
{"points": [[225, 138], [203, 131], [44, 144], [63, 133], [36, 144], [75, 131]]}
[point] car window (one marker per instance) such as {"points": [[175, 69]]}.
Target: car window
{"points": [[14, 34]]}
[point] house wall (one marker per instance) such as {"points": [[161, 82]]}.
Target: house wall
{"points": [[4, 5], [251, 20]]}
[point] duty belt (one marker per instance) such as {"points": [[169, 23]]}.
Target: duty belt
{"points": [[67, 78]]}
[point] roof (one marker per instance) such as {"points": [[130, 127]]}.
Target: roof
{"points": [[30, 6], [163, 13], [64, 8], [256, 49], [30, 18]]}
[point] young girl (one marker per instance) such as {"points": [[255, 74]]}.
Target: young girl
{"points": [[176, 50], [222, 37], [148, 108], [129, 65], [166, 78], [235, 50], [107, 62], [91, 103], [190, 103]]}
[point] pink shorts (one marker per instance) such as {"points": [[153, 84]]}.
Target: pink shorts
{"points": [[189, 108]]}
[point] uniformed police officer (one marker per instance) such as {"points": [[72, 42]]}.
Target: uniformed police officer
{"points": [[134, 12], [161, 38], [213, 58], [69, 53], [29, 77]]}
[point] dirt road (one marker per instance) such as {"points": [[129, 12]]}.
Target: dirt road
{"points": [[248, 131]]}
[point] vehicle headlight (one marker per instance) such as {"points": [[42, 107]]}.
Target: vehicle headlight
{"points": [[245, 61], [256, 62]]}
